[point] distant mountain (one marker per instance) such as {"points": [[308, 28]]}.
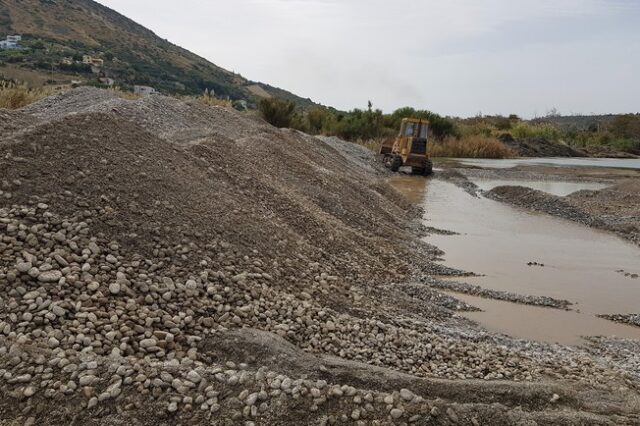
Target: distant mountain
{"points": [[58, 33]]}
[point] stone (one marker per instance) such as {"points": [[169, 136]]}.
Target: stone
{"points": [[114, 288], [51, 276], [148, 343], [23, 267], [396, 413], [406, 394]]}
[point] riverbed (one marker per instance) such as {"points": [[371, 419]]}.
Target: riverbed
{"points": [[535, 254]]}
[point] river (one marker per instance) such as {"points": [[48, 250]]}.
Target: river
{"points": [[498, 241]]}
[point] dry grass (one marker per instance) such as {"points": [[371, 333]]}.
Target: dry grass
{"points": [[212, 100], [14, 96], [473, 146]]}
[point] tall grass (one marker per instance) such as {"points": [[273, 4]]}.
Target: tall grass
{"points": [[526, 130], [473, 146], [209, 100], [14, 96]]}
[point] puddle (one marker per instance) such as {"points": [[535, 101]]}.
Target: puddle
{"points": [[498, 241], [558, 188]]}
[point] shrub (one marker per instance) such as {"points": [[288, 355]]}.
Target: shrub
{"points": [[277, 112], [470, 147]]}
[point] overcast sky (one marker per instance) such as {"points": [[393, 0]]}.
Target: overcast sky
{"points": [[455, 57]]}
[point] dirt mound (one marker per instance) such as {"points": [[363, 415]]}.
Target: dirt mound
{"points": [[166, 117], [541, 201], [11, 121], [539, 147], [132, 253]]}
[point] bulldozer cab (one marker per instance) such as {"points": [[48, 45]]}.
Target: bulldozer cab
{"points": [[414, 128], [409, 148]]}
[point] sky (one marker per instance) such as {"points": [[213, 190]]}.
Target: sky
{"points": [[454, 57]]}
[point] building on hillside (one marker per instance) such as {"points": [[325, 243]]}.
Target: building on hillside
{"points": [[144, 90], [11, 42], [67, 61], [94, 62]]}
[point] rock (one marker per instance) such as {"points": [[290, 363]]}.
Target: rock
{"points": [[192, 375], [58, 310], [51, 276], [93, 247], [114, 288], [396, 413], [53, 342], [148, 343], [172, 407], [23, 267], [251, 399], [407, 395]]}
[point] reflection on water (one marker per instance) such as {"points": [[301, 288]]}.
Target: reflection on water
{"points": [[498, 241], [621, 163], [558, 188]]}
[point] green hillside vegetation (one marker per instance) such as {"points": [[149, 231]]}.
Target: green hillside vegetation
{"points": [[132, 54], [617, 133]]}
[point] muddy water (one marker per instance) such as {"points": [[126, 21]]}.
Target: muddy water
{"points": [[559, 188], [498, 241], [621, 163]]}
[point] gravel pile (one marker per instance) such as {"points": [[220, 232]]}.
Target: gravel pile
{"points": [[475, 290], [541, 201], [359, 155], [129, 251], [631, 319]]}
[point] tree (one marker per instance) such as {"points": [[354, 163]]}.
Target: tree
{"points": [[441, 127]]}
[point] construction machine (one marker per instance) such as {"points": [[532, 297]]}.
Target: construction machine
{"points": [[409, 148]]}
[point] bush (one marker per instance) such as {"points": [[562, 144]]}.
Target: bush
{"points": [[543, 130], [277, 112], [470, 147]]}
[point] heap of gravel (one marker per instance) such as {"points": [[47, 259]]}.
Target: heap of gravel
{"points": [[359, 155], [541, 201], [631, 319], [475, 290], [129, 240]]}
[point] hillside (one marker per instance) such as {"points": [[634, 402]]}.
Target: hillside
{"points": [[57, 33]]}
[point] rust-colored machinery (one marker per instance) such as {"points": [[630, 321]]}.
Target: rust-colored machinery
{"points": [[409, 148]]}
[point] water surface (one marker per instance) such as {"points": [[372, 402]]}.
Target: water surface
{"points": [[498, 240], [559, 188], [620, 163]]}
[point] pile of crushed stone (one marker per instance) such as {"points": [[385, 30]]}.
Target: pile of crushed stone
{"points": [[359, 155], [146, 244]]}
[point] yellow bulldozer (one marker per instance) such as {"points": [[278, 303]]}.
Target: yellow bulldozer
{"points": [[409, 148]]}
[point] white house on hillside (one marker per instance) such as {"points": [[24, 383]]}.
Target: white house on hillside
{"points": [[11, 42]]}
